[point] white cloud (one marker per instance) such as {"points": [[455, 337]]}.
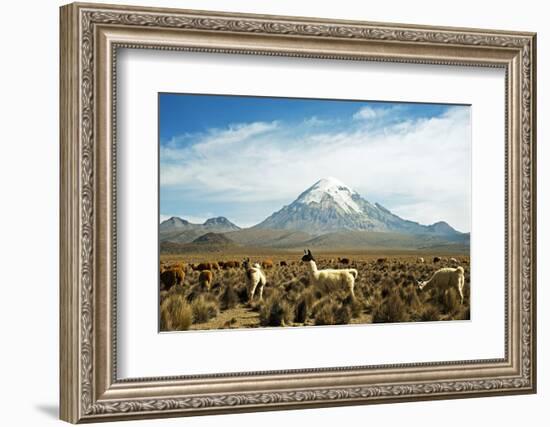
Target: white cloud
{"points": [[426, 160], [369, 113], [315, 121], [235, 133], [215, 139]]}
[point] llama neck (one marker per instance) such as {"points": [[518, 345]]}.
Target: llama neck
{"points": [[313, 266], [425, 283]]}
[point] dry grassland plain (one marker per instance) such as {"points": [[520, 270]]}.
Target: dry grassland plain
{"points": [[386, 291]]}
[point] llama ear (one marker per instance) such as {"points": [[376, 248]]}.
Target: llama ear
{"points": [[308, 252]]}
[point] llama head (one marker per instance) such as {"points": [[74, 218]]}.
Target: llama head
{"points": [[307, 256], [246, 263], [420, 285]]}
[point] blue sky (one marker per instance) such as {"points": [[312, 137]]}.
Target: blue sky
{"points": [[246, 157]]}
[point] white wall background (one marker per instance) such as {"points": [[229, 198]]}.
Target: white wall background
{"points": [[29, 170]]}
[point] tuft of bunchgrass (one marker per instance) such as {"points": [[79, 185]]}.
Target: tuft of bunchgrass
{"points": [[355, 305], [204, 309], [411, 298], [331, 311], [342, 314], [430, 314], [274, 311], [229, 298], [242, 294], [392, 309], [324, 313], [194, 292], [302, 310], [175, 313]]}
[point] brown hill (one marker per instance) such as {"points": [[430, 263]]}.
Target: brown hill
{"points": [[209, 242], [258, 237], [213, 239]]}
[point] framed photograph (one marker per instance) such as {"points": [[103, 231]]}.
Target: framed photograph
{"points": [[266, 212]]}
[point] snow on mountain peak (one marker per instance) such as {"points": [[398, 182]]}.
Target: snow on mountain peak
{"points": [[332, 188]]}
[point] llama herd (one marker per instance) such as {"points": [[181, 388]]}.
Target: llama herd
{"points": [[324, 280]]}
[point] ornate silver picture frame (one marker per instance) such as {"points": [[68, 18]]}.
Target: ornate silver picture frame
{"points": [[91, 35]]}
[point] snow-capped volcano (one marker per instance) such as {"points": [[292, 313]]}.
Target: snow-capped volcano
{"points": [[331, 190], [329, 205]]}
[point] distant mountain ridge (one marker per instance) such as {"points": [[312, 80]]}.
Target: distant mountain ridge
{"points": [[328, 215], [219, 223], [331, 206], [179, 230]]}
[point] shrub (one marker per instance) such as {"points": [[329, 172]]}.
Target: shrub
{"points": [[354, 305], [330, 311], [175, 314], [304, 280], [392, 309], [216, 288], [194, 292], [242, 294], [342, 314], [324, 313], [293, 291], [430, 314], [274, 311], [269, 291], [229, 298], [411, 298], [204, 309], [302, 310]]}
